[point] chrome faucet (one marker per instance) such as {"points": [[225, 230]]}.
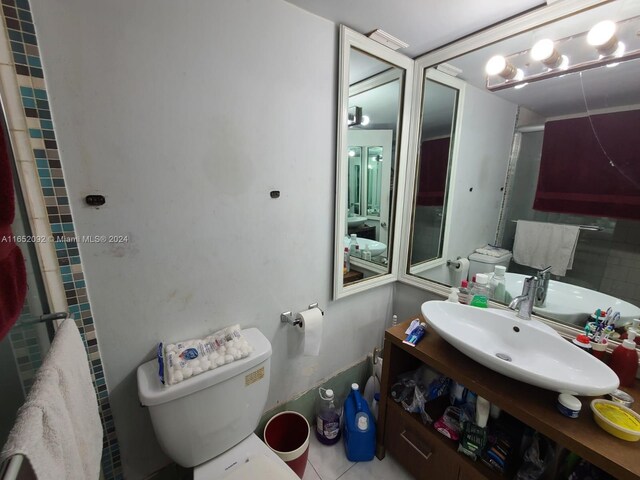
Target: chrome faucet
{"points": [[524, 303], [543, 277]]}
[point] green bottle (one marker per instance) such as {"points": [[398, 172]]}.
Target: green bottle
{"points": [[480, 291]]}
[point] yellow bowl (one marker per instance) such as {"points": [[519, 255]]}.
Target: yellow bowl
{"points": [[616, 419]]}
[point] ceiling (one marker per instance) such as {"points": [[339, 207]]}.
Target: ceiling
{"points": [[423, 24]]}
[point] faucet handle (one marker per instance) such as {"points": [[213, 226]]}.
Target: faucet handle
{"points": [[530, 284], [545, 271]]}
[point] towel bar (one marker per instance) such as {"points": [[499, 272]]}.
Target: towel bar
{"points": [[11, 468], [590, 228], [47, 317]]}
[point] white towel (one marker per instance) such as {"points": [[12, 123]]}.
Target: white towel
{"points": [[539, 245], [58, 428]]}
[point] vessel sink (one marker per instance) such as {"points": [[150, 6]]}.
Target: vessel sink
{"points": [[572, 304], [376, 248], [356, 221], [526, 350]]}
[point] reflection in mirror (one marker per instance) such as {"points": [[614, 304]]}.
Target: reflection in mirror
{"points": [[355, 167], [438, 121], [572, 192], [375, 92], [374, 79]]}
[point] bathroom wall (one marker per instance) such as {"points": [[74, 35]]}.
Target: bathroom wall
{"points": [[185, 116], [487, 124]]}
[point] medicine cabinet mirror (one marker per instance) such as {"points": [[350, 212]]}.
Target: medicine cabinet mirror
{"points": [[432, 170], [373, 112], [551, 145]]}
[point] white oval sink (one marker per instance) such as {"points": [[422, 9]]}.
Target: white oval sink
{"points": [[526, 350], [356, 221], [572, 304], [376, 248]]}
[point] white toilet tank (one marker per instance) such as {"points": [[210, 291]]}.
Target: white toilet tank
{"points": [[202, 417], [481, 263]]}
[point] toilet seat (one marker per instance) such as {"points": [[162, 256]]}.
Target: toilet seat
{"points": [[251, 458]]}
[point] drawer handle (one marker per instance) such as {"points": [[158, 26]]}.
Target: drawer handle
{"points": [[404, 437]]}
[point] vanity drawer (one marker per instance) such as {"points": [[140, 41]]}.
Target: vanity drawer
{"points": [[425, 453]]}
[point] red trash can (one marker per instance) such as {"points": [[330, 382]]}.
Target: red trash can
{"points": [[287, 434]]}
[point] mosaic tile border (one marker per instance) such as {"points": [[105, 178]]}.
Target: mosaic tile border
{"points": [[25, 55]]}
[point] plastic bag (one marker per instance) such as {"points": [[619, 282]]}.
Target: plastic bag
{"points": [[537, 458], [412, 393]]}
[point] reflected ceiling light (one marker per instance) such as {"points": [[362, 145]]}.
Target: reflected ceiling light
{"points": [[365, 120], [545, 51], [603, 36], [498, 65], [612, 42], [352, 153]]}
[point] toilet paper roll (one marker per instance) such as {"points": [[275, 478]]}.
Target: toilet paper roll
{"points": [[460, 273], [312, 330]]}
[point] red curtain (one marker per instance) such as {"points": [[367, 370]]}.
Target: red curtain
{"points": [[591, 166], [432, 179]]}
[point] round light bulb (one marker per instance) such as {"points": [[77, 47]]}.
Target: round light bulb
{"points": [[542, 50], [365, 120], [496, 65], [519, 75], [564, 63], [601, 33]]}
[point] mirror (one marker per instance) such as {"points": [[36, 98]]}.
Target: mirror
{"points": [[570, 160], [371, 140], [439, 111]]}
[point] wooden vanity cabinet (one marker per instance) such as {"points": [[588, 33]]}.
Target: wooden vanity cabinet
{"points": [[427, 454]]}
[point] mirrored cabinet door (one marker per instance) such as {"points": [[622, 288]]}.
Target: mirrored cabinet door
{"points": [[434, 165], [374, 107]]}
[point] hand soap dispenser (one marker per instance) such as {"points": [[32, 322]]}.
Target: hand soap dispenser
{"points": [[624, 360]]}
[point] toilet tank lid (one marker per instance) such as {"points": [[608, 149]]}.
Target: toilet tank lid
{"points": [[482, 258], [152, 392]]}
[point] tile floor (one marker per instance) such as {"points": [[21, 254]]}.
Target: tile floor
{"points": [[330, 463]]}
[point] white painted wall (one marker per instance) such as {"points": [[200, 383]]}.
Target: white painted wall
{"points": [[485, 143], [185, 115]]}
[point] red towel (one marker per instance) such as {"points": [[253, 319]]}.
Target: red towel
{"points": [[13, 289], [13, 276]]}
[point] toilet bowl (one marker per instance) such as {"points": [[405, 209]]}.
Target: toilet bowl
{"points": [[207, 422]]}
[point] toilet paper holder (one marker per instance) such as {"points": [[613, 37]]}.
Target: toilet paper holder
{"points": [[290, 318], [454, 263]]}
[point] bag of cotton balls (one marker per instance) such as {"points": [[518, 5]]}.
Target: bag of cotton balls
{"points": [[182, 360]]}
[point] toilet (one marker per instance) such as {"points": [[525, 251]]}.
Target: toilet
{"points": [[482, 263], [207, 421]]}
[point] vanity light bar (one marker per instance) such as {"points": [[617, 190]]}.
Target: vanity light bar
{"points": [[387, 40], [578, 52]]}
